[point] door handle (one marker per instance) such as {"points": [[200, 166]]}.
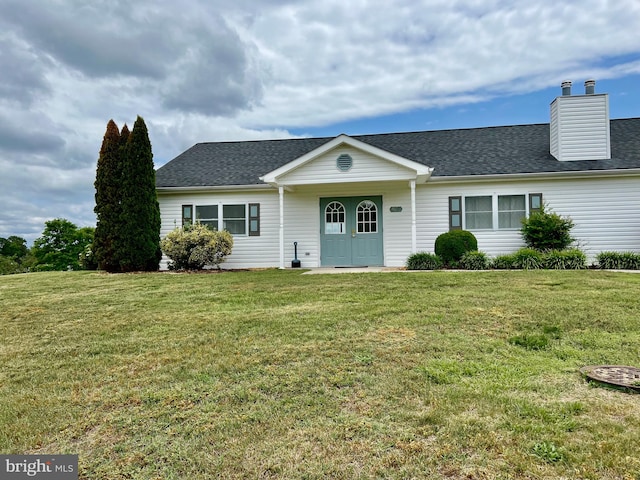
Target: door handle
{"points": [[353, 233]]}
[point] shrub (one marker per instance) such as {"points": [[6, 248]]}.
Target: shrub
{"points": [[504, 262], [195, 246], [528, 259], [8, 266], [474, 260], [547, 231], [424, 261], [619, 260], [572, 259], [450, 246], [87, 258]]}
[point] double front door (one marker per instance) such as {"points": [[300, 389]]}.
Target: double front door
{"points": [[351, 231]]}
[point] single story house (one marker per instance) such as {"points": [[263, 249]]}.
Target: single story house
{"points": [[375, 199]]}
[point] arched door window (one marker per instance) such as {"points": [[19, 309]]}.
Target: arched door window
{"points": [[367, 217], [334, 219]]}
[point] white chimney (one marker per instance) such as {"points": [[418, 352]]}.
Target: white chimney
{"points": [[579, 128]]}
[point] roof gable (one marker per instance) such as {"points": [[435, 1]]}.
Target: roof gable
{"points": [[413, 169]]}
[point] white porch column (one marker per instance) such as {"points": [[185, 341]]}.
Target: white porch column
{"points": [[414, 241], [281, 195]]}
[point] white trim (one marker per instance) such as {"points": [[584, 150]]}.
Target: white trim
{"points": [[414, 235], [212, 188], [281, 230], [423, 172], [538, 175]]}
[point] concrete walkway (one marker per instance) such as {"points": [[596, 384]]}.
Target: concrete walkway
{"points": [[336, 270]]}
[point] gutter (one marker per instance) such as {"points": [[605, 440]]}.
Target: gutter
{"points": [[213, 188], [512, 177]]}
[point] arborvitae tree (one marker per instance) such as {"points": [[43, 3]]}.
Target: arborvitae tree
{"points": [[108, 200], [139, 245]]}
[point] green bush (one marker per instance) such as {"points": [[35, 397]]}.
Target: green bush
{"points": [[547, 231], [8, 266], [619, 260], [195, 246], [474, 260], [423, 261], [504, 262], [450, 246], [572, 259], [528, 259]]}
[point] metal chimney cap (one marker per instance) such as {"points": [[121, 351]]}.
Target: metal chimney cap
{"points": [[590, 87], [566, 88]]}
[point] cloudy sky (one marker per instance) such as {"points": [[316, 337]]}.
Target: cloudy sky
{"points": [[208, 70]]}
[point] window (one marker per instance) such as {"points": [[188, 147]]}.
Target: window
{"points": [[254, 219], [478, 213], [207, 215], [187, 215], [234, 219], [367, 214], [334, 219], [486, 211], [511, 211], [455, 213], [535, 202]]}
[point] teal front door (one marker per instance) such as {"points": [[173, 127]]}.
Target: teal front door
{"points": [[351, 231]]}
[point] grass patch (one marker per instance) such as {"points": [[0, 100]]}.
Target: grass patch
{"points": [[271, 374]]}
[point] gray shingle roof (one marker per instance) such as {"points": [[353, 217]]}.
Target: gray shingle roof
{"points": [[475, 151]]}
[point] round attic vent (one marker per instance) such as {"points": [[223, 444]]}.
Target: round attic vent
{"points": [[344, 162]]}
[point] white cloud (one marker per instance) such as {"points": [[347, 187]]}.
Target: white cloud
{"points": [[201, 70]]}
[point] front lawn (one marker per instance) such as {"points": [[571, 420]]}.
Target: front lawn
{"points": [[274, 374]]}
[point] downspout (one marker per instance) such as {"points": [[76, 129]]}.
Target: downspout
{"points": [[414, 242], [281, 195]]}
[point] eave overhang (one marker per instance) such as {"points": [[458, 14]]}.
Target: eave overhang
{"points": [[536, 176], [213, 188]]}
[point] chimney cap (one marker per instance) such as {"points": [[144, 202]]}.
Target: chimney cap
{"points": [[590, 87], [566, 88]]}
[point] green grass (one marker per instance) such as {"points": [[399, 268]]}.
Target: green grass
{"points": [[273, 374]]}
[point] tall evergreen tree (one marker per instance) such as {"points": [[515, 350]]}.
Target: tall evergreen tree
{"points": [[139, 244], [108, 200]]}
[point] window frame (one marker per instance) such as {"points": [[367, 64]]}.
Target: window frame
{"points": [[461, 213], [187, 220], [253, 232], [216, 223]]}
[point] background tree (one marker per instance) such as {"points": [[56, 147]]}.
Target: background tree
{"points": [[139, 243], [14, 247], [60, 245], [14, 255], [108, 199]]}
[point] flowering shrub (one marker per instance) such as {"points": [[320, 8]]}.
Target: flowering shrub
{"points": [[195, 246]]}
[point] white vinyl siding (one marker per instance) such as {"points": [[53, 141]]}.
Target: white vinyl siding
{"points": [[579, 127], [248, 251], [365, 167], [605, 211]]}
